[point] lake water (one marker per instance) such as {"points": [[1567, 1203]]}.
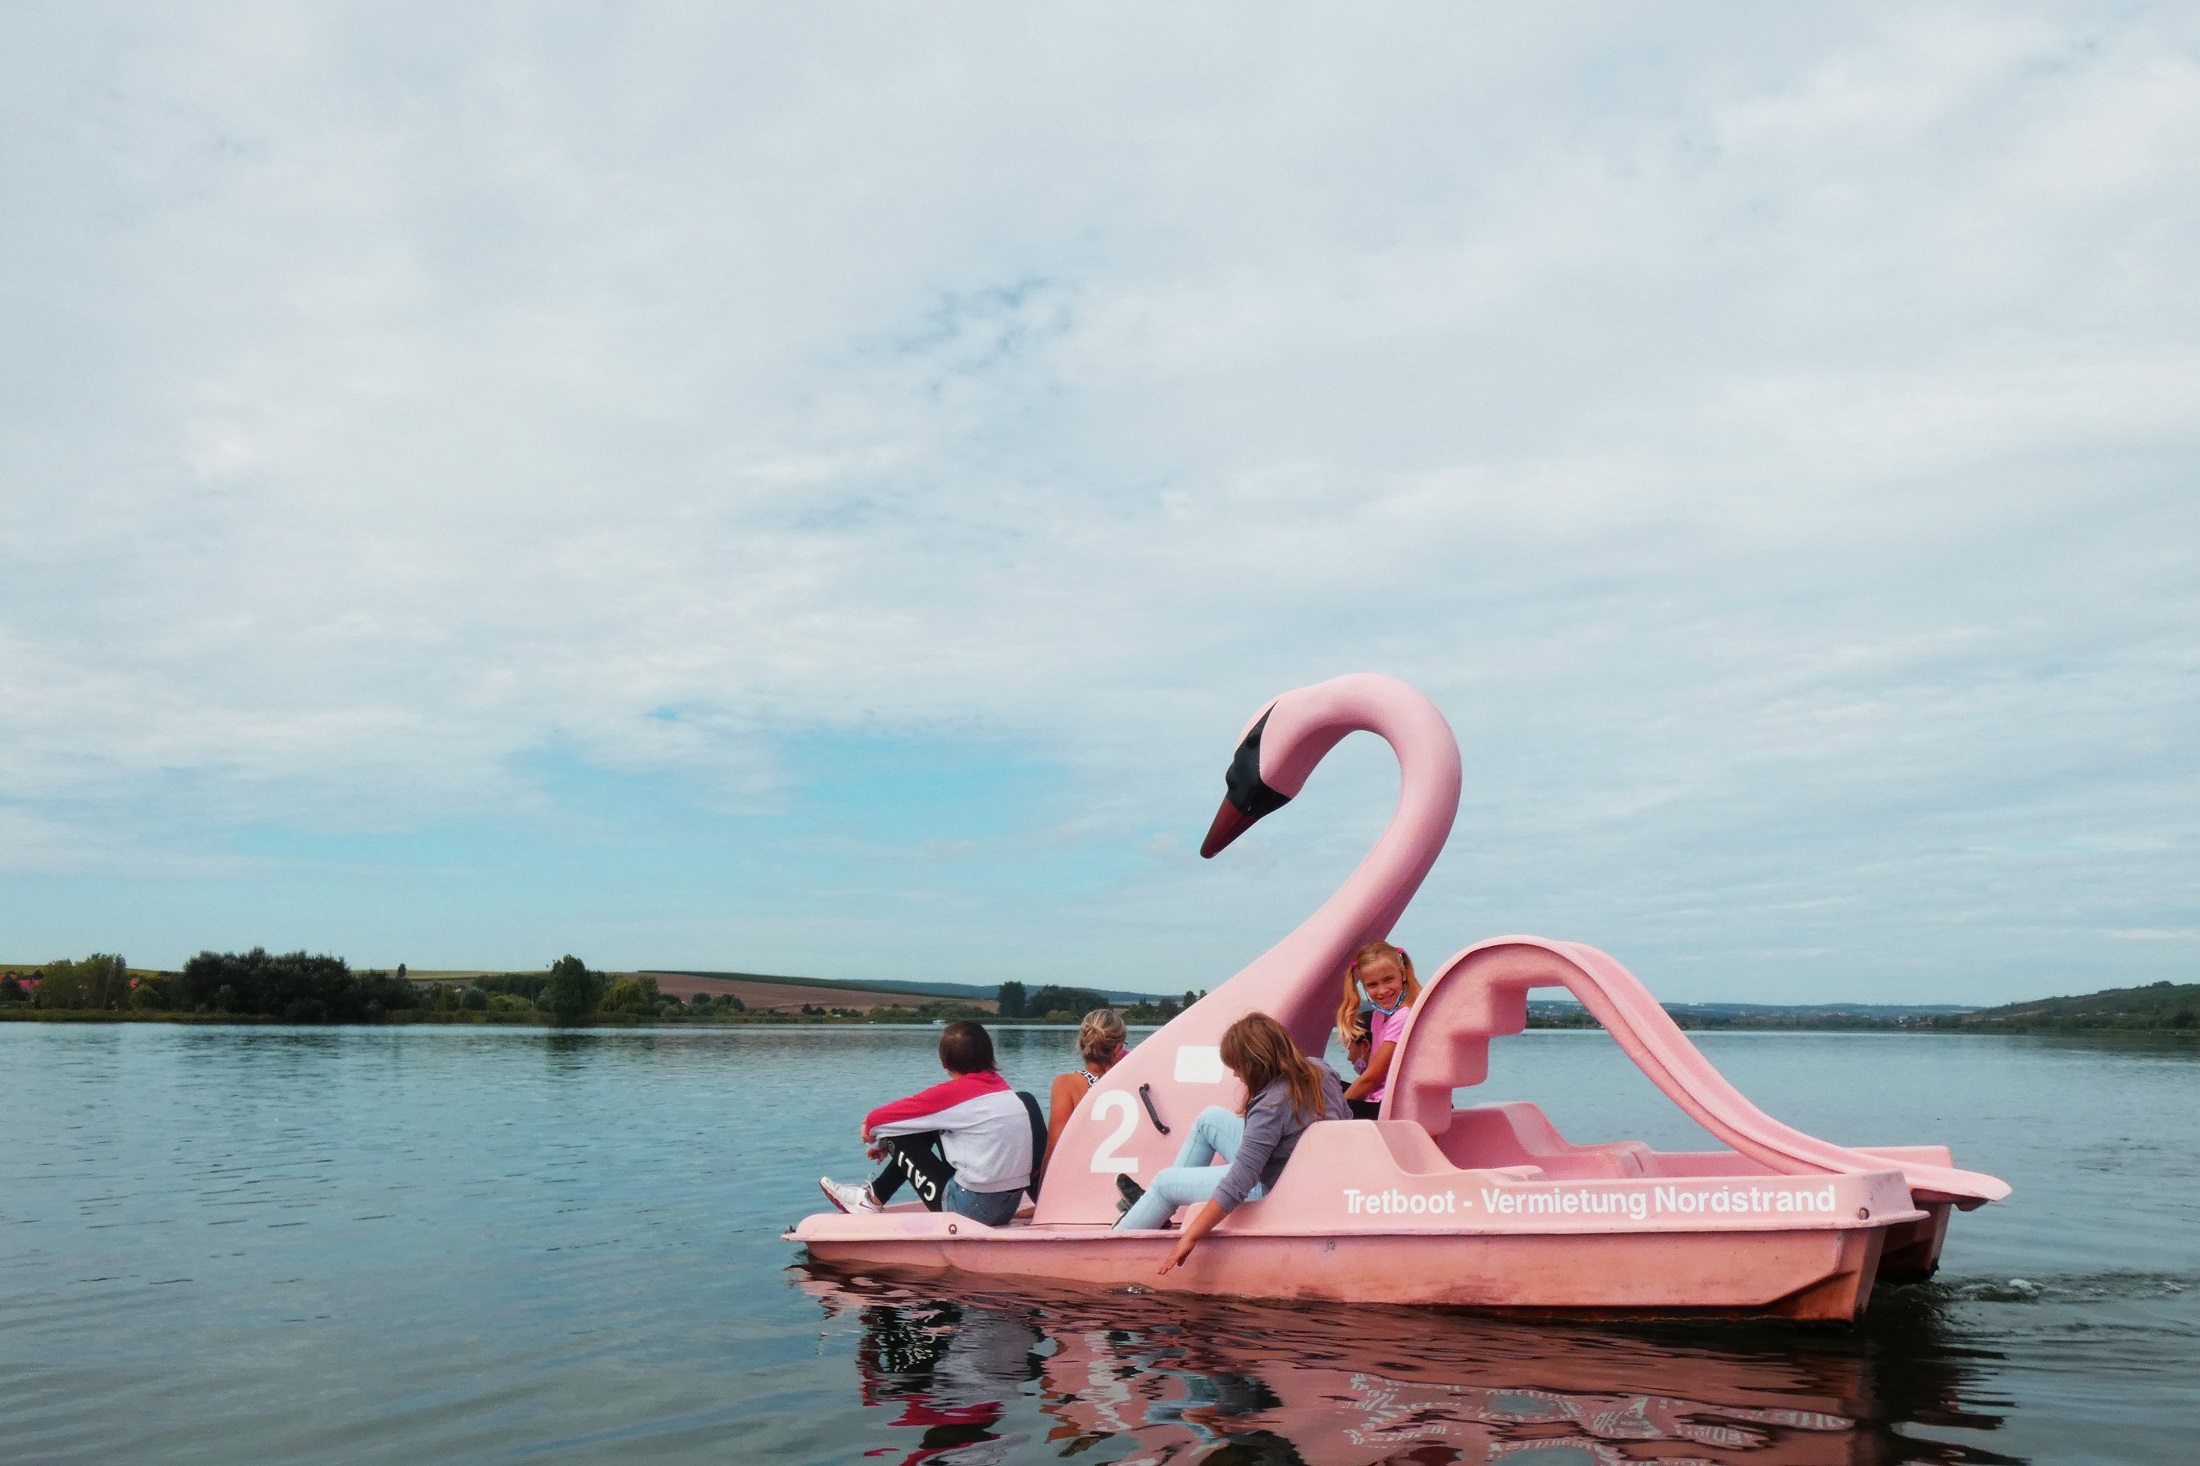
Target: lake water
{"points": [[457, 1244]]}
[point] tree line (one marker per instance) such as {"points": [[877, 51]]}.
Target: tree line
{"points": [[307, 987], [1055, 1004]]}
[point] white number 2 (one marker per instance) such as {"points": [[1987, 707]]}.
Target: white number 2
{"points": [[1105, 1158]]}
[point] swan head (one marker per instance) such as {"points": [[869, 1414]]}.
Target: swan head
{"points": [[1280, 747], [1249, 796]]}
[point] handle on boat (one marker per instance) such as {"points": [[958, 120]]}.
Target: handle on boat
{"points": [[1145, 1092]]}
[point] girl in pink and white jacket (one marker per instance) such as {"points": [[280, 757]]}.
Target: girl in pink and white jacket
{"points": [[963, 1146]]}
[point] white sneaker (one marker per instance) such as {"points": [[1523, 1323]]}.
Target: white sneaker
{"points": [[848, 1198]]}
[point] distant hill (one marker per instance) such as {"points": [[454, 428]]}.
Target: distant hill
{"points": [[2162, 1005], [782, 995], [968, 992], [1890, 1012], [1565, 1012]]}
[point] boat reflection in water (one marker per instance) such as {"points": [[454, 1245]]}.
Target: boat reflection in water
{"points": [[970, 1376]]}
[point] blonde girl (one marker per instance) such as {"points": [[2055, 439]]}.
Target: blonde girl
{"points": [[1100, 1043], [1384, 974]]}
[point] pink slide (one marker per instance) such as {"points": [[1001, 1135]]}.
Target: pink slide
{"points": [[1482, 993], [1487, 1206]]}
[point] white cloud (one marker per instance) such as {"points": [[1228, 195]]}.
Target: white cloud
{"points": [[1767, 436]]}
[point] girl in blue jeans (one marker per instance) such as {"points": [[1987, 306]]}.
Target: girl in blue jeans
{"points": [[1216, 1134], [1284, 1093]]}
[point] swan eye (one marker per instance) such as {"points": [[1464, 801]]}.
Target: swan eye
{"points": [[1248, 791]]}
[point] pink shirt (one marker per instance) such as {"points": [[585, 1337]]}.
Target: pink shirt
{"points": [[1384, 1028]]}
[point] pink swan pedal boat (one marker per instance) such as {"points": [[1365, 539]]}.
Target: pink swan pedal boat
{"points": [[1484, 1206]]}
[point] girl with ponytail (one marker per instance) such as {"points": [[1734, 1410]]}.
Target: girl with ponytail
{"points": [[1384, 974]]}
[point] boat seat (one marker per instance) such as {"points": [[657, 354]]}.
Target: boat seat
{"points": [[1481, 1137]]}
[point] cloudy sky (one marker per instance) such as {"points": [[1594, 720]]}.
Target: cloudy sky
{"points": [[819, 489]]}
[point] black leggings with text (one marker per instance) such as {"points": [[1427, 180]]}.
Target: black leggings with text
{"points": [[918, 1160]]}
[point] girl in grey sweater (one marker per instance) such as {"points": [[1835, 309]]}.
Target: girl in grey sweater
{"points": [[1284, 1093]]}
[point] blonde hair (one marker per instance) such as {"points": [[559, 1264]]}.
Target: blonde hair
{"points": [[1259, 1052], [1348, 1011], [1100, 1035]]}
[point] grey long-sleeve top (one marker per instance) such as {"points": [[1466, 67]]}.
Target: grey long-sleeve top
{"points": [[1272, 1131]]}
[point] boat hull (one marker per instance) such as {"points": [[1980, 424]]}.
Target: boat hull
{"points": [[1807, 1273]]}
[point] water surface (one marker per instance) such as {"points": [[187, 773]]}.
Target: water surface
{"points": [[437, 1244]]}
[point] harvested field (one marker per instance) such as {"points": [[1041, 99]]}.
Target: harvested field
{"points": [[462, 974], [764, 997], [756, 995]]}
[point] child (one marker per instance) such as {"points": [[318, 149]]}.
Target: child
{"points": [[1385, 973], [965, 1146], [1100, 1042], [1284, 1093]]}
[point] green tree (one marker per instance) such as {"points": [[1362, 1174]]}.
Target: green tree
{"points": [[573, 990], [150, 993], [101, 981], [298, 987], [1010, 999], [528, 985], [1063, 1003], [636, 995]]}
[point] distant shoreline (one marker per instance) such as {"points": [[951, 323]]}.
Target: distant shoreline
{"points": [[256, 989], [417, 1019]]}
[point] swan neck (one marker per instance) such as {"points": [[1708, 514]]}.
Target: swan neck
{"points": [[1298, 980]]}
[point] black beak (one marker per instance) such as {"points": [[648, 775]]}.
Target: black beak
{"points": [[1249, 797]]}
